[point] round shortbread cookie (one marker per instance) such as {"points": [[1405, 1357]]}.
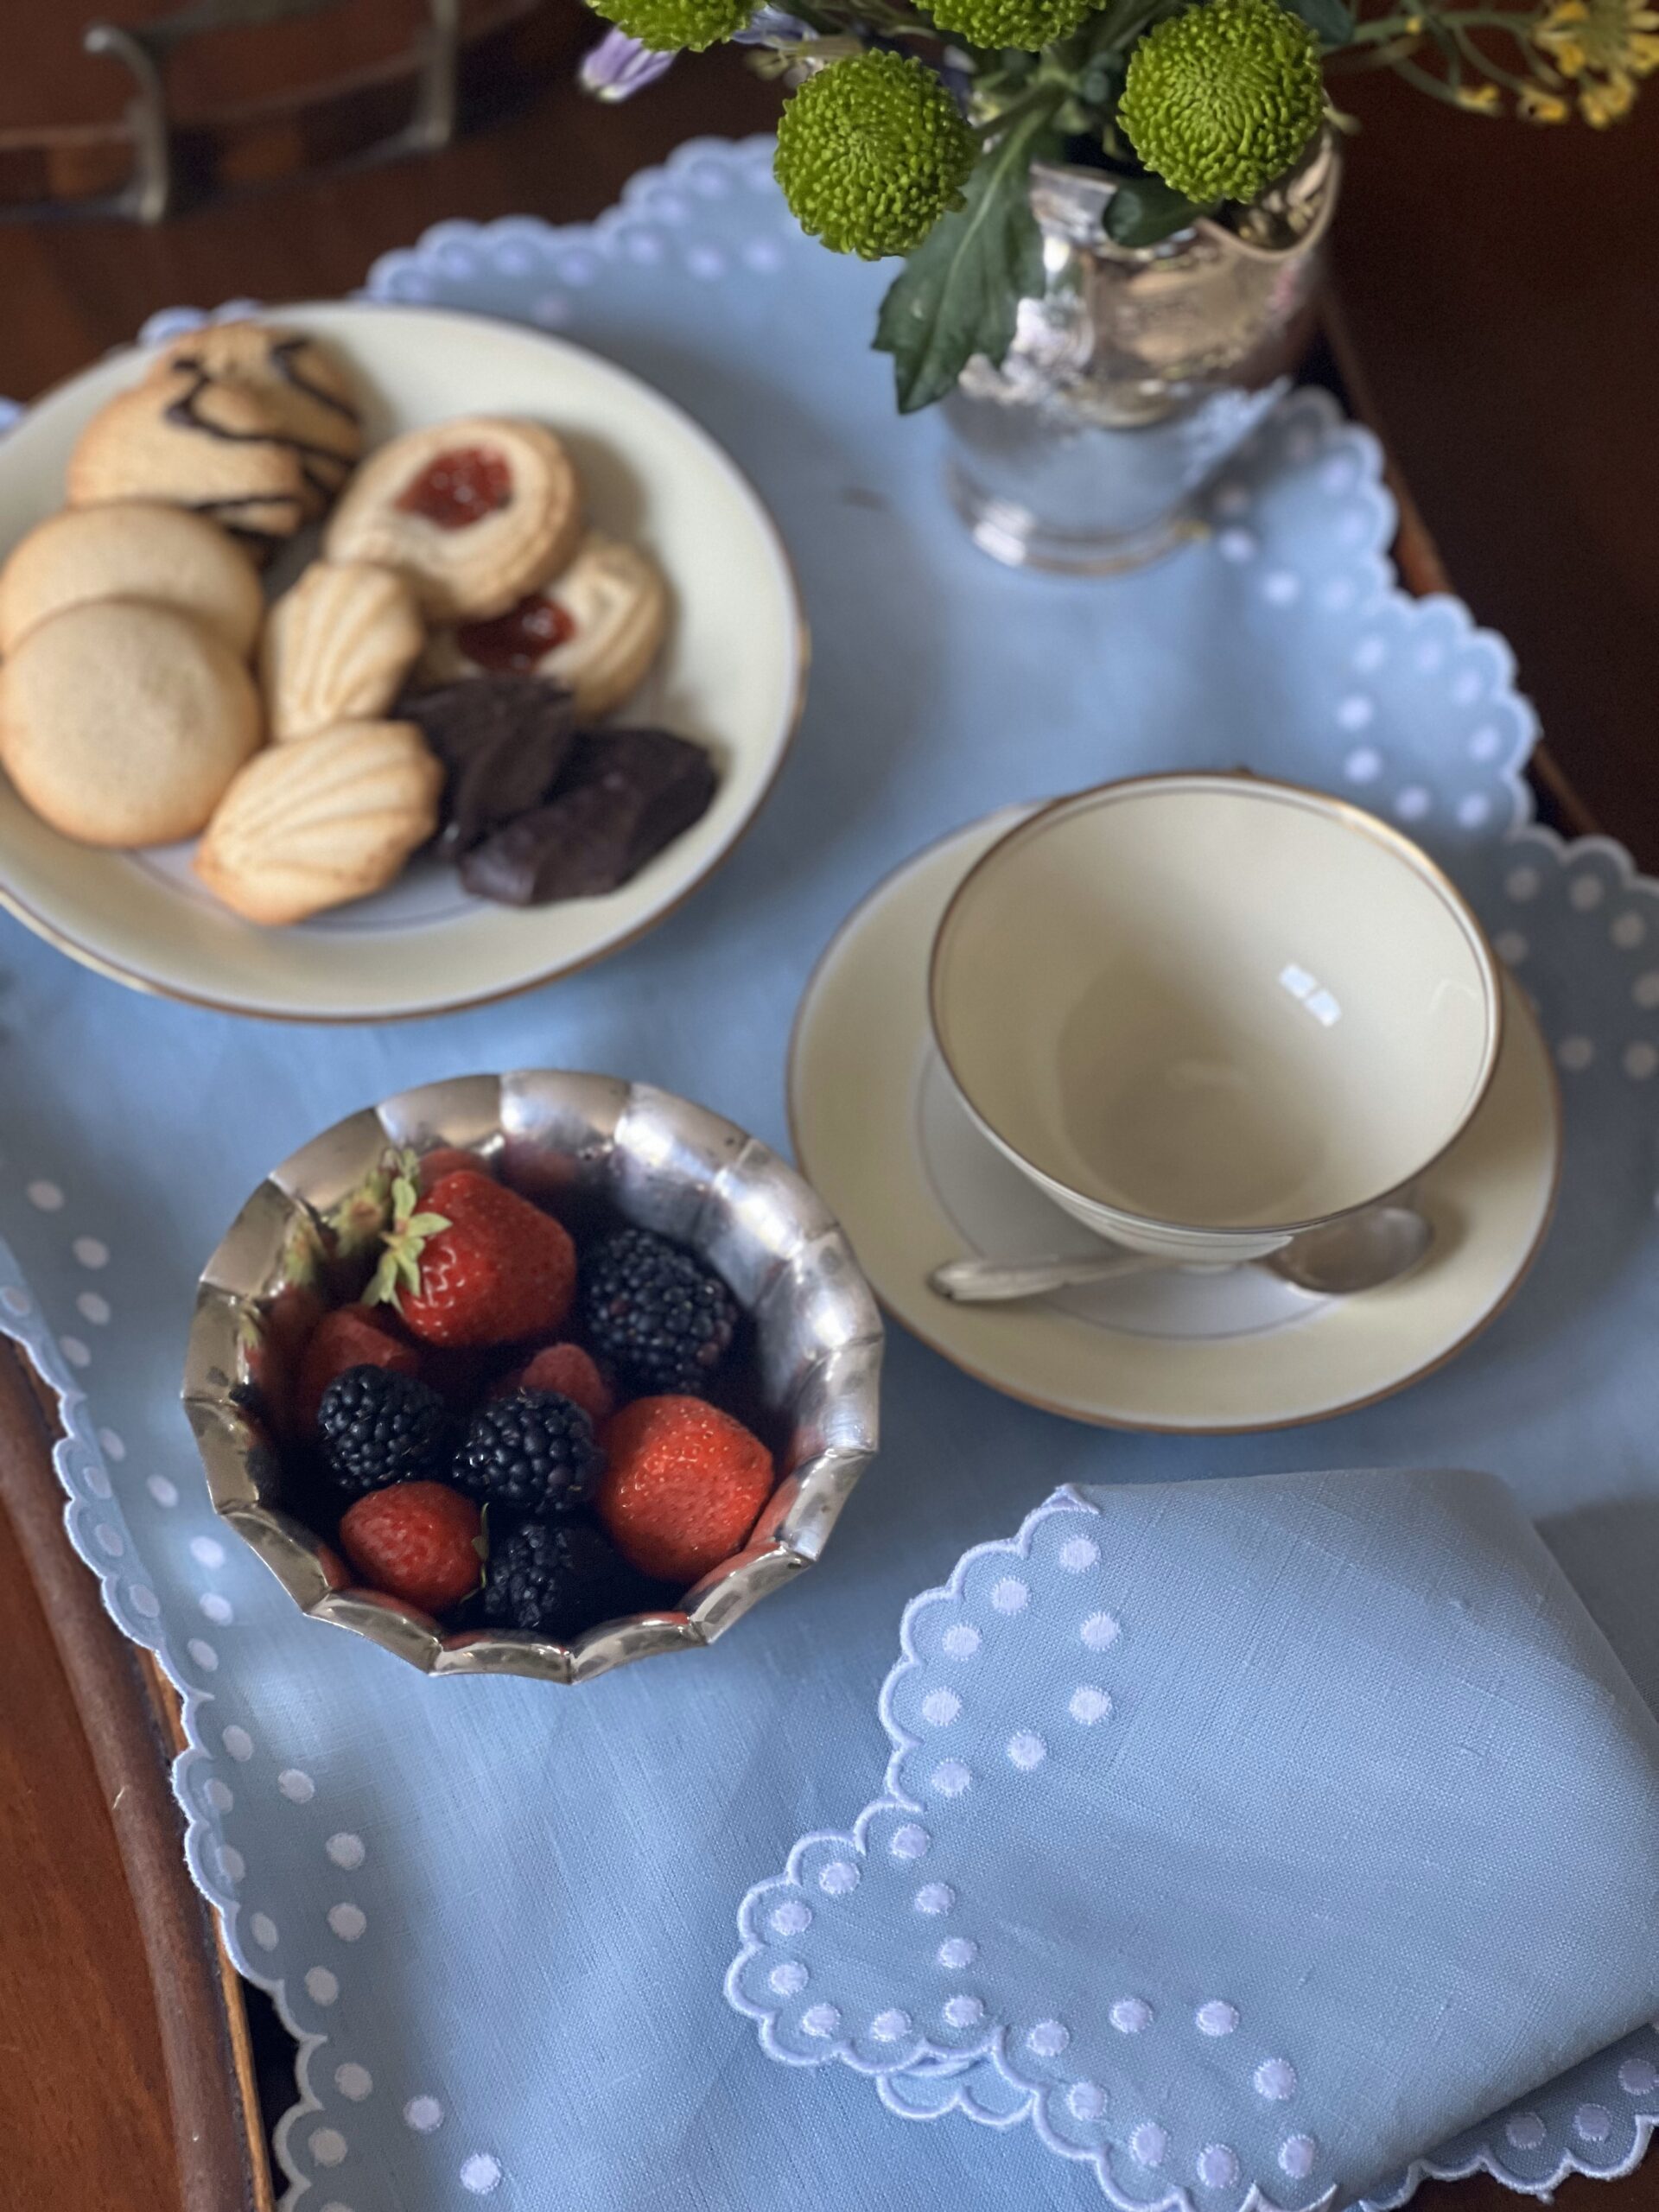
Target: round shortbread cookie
{"points": [[123, 723], [132, 550], [474, 512], [304, 385]]}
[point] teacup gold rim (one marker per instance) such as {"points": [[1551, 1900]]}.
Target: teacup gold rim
{"points": [[1242, 782]]}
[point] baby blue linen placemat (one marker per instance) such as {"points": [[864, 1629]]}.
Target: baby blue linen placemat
{"points": [[497, 1914]]}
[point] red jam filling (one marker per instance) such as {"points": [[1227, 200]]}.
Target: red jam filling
{"points": [[513, 643], [458, 486]]}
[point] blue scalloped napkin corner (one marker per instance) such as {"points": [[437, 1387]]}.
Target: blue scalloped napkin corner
{"points": [[1246, 1836]]}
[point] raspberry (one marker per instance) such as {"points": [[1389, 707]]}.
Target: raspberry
{"points": [[557, 1581], [349, 1336], [378, 1427], [533, 1452], [568, 1371], [419, 1542], [660, 1315], [684, 1485]]}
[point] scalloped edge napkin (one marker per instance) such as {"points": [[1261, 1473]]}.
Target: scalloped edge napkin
{"points": [[1248, 1837]]}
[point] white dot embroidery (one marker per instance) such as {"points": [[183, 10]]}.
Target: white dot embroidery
{"points": [[1627, 932], [113, 1447], [788, 1979], [160, 1489], [1473, 809], [220, 1795], [1586, 893], [1131, 2016], [1592, 2123], [424, 2114], [208, 1551], [951, 1777], [820, 2020], [1640, 1062], [1637, 2076], [238, 1742], [108, 1540], [1027, 1750], [1079, 1553], [353, 2080], [1216, 2166], [216, 1609], [1510, 945], [955, 1953], [1645, 989], [1430, 658], [839, 1879], [935, 1896], [1523, 884], [347, 1921], [1086, 2100], [1216, 2017], [91, 1307], [887, 2027], [345, 1850], [482, 2174], [909, 1841], [961, 1641], [1009, 1594], [963, 2011], [1233, 499], [232, 1865], [143, 1600], [1296, 2156], [1356, 712], [1048, 2038], [46, 1196], [1485, 743], [940, 1708], [90, 1252], [320, 1986], [1235, 546], [263, 1929], [1281, 588], [1370, 655], [328, 2146], [1363, 765], [1274, 2079], [1100, 1631], [296, 1787], [1089, 1705], [1526, 2131], [1149, 2143], [77, 1353], [1575, 1054], [792, 1918], [1412, 803]]}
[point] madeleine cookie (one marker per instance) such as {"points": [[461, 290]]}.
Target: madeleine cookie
{"points": [[132, 549], [179, 438], [122, 724], [596, 629], [474, 512], [337, 647], [302, 383], [324, 820]]}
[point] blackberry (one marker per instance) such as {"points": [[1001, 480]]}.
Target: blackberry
{"points": [[533, 1452], [378, 1427], [557, 1579], [657, 1312]]}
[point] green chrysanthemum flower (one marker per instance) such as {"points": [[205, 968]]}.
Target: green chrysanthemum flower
{"points": [[666, 26], [1220, 101], [1030, 25], [871, 152]]}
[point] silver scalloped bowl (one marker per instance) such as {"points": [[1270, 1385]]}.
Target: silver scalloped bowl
{"points": [[571, 1141]]}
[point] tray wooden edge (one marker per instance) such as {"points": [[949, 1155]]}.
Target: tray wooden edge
{"points": [[131, 1719]]}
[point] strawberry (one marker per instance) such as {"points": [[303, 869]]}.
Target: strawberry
{"points": [[419, 1542], [684, 1486], [351, 1336], [472, 1263], [568, 1370], [446, 1160]]}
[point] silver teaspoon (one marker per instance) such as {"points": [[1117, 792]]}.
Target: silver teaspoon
{"points": [[1362, 1252]]}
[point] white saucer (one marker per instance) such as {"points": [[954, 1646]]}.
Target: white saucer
{"points": [[880, 1133]]}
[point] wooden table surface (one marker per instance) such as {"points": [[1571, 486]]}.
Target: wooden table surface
{"points": [[1502, 287]]}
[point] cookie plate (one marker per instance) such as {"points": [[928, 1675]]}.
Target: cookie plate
{"points": [[732, 675]]}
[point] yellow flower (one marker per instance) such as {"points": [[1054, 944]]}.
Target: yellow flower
{"points": [[1479, 99], [1612, 38], [1540, 106], [1606, 100]]}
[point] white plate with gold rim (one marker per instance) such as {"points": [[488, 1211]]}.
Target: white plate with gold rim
{"points": [[880, 1132], [731, 676]]}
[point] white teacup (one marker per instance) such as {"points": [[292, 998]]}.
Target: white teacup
{"points": [[1203, 1012]]}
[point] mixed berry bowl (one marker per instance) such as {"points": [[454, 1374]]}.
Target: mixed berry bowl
{"points": [[582, 1332]]}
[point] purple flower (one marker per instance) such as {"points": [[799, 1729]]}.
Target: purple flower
{"points": [[772, 27], [618, 67]]}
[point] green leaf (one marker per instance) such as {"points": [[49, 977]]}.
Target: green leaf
{"points": [[1331, 22], [1144, 211], [958, 293]]}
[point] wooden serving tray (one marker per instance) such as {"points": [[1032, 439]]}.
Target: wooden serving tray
{"points": [[112, 1973]]}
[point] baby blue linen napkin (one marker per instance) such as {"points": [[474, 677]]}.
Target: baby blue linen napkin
{"points": [[1243, 1836]]}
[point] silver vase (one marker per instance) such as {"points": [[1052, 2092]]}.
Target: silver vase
{"points": [[1135, 374]]}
